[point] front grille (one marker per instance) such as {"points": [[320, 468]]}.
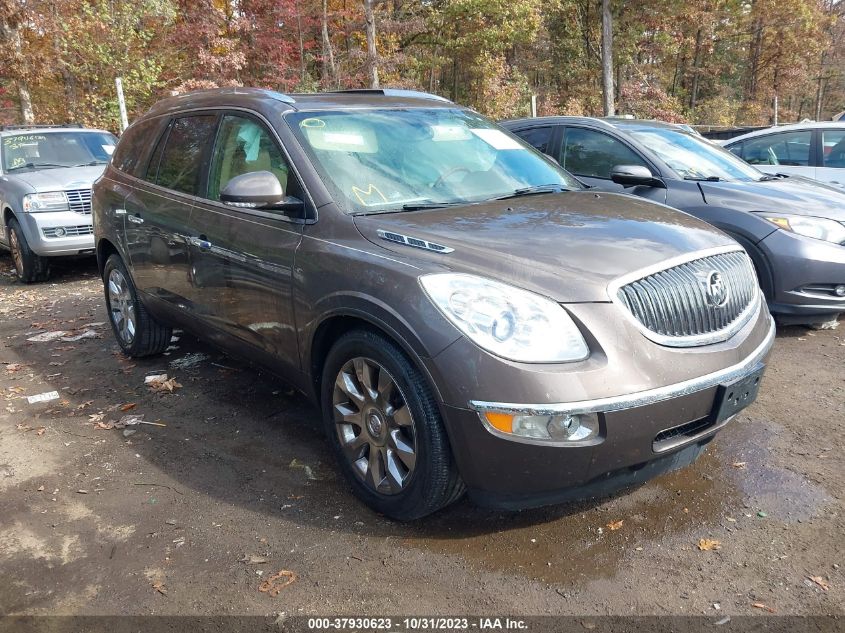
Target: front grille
{"points": [[671, 437], [696, 302], [70, 231], [79, 200]]}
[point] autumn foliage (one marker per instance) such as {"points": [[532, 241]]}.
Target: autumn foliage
{"points": [[715, 61]]}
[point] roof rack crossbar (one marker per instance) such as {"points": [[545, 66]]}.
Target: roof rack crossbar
{"points": [[393, 92]]}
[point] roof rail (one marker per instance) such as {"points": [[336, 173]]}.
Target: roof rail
{"points": [[34, 126], [393, 92]]}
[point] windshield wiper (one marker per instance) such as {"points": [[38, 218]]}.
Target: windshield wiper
{"points": [[93, 163], [422, 206], [35, 166], [703, 178], [411, 206], [533, 191]]}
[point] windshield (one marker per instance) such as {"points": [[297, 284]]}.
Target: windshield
{"points": [[47, 150], [389, 160], [695, 158]]}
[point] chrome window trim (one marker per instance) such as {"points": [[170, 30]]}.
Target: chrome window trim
{"points": [[632, 400], [683, 341]]}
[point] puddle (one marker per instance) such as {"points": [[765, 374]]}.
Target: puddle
{"points": [[571, 544]]}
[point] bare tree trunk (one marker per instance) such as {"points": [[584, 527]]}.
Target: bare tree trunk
{"points": [[696, 64], [372, 54], [329, 69], [27, 114], [301, 43], [12, 35], [607, 58]]}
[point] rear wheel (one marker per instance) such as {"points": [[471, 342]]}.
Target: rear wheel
{"points": [[385, 427], [28, 266], [137, 333]]}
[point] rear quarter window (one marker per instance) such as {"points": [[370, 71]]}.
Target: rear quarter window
{"points": [[133, 147]]}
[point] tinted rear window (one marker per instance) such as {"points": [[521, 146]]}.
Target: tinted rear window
{"points": [[185, 152]]}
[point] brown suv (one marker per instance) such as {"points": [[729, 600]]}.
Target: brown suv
{"points": [[464, 313]]}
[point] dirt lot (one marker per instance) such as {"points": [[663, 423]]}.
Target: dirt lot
{"points": [[191, 517]]}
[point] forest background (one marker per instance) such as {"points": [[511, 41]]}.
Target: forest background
{"points": [[717, 62]]}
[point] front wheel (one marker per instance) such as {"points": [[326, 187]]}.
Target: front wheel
{"points": [[28, 266], [137, 333], [385, 428]]}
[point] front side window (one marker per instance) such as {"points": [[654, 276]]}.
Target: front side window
{"points": [[833, 148], [694, 158], [50, 150], [382, 160], [244, 146], [590, 153], [788, 148], [182, 158]]}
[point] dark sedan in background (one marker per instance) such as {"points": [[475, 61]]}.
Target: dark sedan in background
{"points": [[793, 229]]}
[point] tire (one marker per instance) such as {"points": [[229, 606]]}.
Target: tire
{"points": [[383, 425], [28, 266], [137, 333]]}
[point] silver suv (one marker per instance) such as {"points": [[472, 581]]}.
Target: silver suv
{"points": [[46, 173]]}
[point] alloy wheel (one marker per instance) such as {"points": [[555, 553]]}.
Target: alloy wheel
{"points": [[121, 306], [375, 426], [15, 248]]}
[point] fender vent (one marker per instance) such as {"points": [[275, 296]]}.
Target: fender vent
{"points": [[416, 242]]}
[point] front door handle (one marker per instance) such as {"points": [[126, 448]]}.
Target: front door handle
{"points": [[135, 219]]}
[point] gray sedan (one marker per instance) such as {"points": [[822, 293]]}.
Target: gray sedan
{"points": [[793, 228]]}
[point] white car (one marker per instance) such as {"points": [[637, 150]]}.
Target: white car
{"points": [[813, 150]]}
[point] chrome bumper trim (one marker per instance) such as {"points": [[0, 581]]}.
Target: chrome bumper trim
{"points": [[641, 398]]}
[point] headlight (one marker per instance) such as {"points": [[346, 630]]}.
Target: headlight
{"points": [[49, 201], [507, 321], [818, 228]]}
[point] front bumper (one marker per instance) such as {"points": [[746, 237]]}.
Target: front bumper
{"points": [[39, 230], [801, 266], [514, 473]]}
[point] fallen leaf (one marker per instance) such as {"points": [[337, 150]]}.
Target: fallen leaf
{"points": [[85, 404], [707, 544], [740, 465], [269, 586], [104, 425], [760, 605], [96, 417], [167, 385], [128, 406], [615, 525], [253, 559], [13, 367], [41, 431], [821, 582], [159, 586]]}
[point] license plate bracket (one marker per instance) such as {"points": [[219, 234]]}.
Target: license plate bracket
{"points": [[734, 396]]}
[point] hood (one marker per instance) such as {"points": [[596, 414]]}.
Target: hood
{"points": [[566, 246], [61, 178], [795, 195]]}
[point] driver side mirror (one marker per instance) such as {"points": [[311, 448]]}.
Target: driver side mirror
{"points": [[633, 176], [259, 190]]}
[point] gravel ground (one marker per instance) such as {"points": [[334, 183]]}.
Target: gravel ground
{"points": [[191, 517]]}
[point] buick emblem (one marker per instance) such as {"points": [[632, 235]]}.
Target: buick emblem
{"points": [[716, 291]]}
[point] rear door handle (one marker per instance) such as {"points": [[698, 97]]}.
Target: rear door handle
{"points": [[135, 219]]}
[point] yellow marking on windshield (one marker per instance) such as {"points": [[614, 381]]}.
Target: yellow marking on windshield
{"points": [[371, 190]]}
